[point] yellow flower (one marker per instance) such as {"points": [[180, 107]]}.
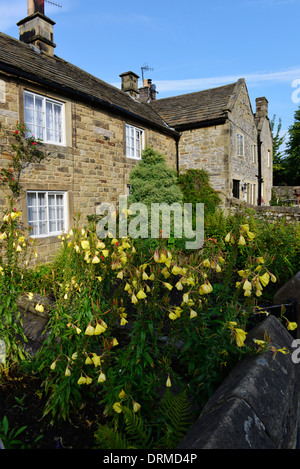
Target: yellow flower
{"points": [[127, 287], [264, 279], [261, 260], [105, 252], [193, 314], [176, 270], [242, 241], [99, 329], [123, 321], [15, 215], [96, 260], [88, 361], [100, 245], [168, 382], [30, 295], [115, 342], [179, 285], [141, 294], [240, 337], [85, 245], [99, 278], [96, 359], [53, 366], [291, 326], [39, 308], [101, 378], [227, 237], [67, 372], [88, 380], [122, 394], [82, 380], [117, 407], [206, 263], [114, 241], [273, 278], [90, 330], [247, 286], [205, 288], [168, 285], [3, 236], [134, 299], [136, 406], [250, 235]]}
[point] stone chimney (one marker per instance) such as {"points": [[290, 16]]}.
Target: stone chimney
{"points": [[130, 84], [261, 107], [148, 92], [36, 29]]}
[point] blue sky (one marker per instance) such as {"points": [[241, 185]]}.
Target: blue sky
{"points": [[189, 45]]}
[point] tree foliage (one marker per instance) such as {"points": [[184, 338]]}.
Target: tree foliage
{"points": [[153, 181]]}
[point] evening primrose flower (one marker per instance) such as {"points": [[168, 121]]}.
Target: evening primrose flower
{"points": [[122, 394], [67, 372], [264, 279], [141, 294], [101, 377], [168, 285], [53, 365], [247, 286], [291, 326], [96, 359], [241, 241], [134, 299], [240, 337], [82, 380], [99, 329], [117, 407], [95, 260], [39, 307], [136, 406], [90, 330], [85, 245], [193, 314], [168, 382]]}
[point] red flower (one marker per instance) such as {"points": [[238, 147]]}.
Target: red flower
{"points": [[16, 132], [33, 143]]}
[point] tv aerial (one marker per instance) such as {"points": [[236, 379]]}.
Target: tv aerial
{"points": [[145, 68], [53, 3]]}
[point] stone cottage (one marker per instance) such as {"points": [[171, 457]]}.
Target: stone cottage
{"points": [[93, 133], [220, 133]]}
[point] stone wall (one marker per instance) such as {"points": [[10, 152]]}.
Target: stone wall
{"points": [[257, 406], [267, 211], [207, 148]]}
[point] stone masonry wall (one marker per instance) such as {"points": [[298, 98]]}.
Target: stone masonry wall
{"points": [[243, 169], [92, 167], [257, 406], [207, 148]]}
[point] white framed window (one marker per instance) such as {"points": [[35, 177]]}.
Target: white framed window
{"points": [[240, 145], [45, 117], [253, 153], [47, 213], [134, 142]]}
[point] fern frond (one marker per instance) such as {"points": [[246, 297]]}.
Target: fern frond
{"points": [[178, 417], [135, 428], [109, 438]]}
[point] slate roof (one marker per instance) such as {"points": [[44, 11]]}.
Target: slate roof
{"points": [[193, 109], [21, 60]]}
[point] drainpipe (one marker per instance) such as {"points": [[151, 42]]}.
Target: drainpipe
{"points": [[259, 176], [177, 156]]}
